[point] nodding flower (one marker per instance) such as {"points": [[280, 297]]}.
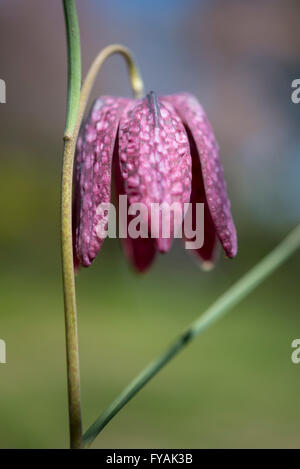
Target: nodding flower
{"points": [[159, 149]]}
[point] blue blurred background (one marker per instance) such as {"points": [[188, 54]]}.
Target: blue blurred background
{"points": [[236, 386]]}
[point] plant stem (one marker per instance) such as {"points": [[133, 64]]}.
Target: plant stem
{"points": [[73, 375], [74, 64], [134, 76], [74, 83], [229, 299]]}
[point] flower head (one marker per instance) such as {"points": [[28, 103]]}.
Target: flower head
{"points": [[160, 150]]}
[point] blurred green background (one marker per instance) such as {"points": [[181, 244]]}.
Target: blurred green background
{"points": [[236, 385]]}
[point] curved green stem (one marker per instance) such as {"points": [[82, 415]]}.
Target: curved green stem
{"points": [[74, 83], [133, 71], [229, 299]]}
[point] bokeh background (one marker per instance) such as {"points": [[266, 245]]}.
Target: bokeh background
{"points": [[236, 385]]}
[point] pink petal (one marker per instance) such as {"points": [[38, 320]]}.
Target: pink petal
{"points": [[207, 253], [93, 175], [140, 251], [193, 115], [155, 160]]}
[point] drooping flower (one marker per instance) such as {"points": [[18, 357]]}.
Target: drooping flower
{"points": [[158, 150]]}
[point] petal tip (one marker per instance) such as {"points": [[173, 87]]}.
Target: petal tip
{"points": [[207, 266], [232, 252], [164, 245], [230, 246]]}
